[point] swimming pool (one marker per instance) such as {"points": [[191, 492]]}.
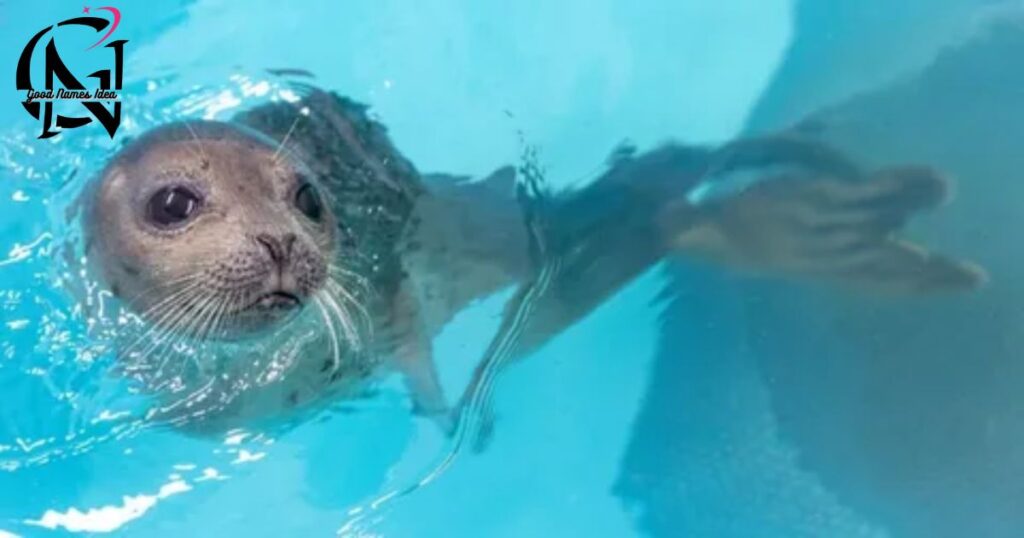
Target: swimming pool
{"points": [[697, 402]]}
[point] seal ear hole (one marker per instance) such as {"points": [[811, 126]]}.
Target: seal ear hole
{"points": [[173, 206], [308, 201]]}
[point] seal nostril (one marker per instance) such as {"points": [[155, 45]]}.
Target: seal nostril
{"points": [[277, 251], [289, 243]]}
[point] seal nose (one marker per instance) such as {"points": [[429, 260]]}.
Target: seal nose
{"points": [[279, 248]]}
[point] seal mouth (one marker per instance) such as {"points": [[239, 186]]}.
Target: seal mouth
{"points": [[275, 300]]}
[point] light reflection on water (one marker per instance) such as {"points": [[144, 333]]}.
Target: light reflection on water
{"points": [[182, 478]]}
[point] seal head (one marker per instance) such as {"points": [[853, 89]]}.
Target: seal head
{"points": [[210, 228]]}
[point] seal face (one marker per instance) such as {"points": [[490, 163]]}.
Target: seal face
{"points": [[211, 229]]}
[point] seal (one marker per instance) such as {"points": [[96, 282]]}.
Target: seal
{"points": [[234, 231]]}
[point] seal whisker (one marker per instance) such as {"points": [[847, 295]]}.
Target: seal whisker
{"points": [[188, 315], [342, 279], [284, 140], [186, 331], [340, 287], [172, 310], [210, 311], [222, 313], [222, 310], [154, 361], [174, 325], [170, 298], [203, 317], [332, 334], [347, 298], [199, 142], [344, 318], [350, 291], [164, 287], [337, 270], [155, 314], [208, 325]]}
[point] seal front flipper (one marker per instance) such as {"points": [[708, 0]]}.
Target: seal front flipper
{"points": [[409, 351], [416, 364], [419, 373]]}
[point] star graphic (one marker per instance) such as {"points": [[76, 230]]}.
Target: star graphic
{"points": [[85, 9]]}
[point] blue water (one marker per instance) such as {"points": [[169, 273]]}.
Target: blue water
{"points": [[726, 407]]}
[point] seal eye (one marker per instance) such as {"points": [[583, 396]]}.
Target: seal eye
{"points": [[307, 200], [172, 206]]}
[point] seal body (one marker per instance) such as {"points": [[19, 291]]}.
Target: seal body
{"points": [[300, 241]]}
